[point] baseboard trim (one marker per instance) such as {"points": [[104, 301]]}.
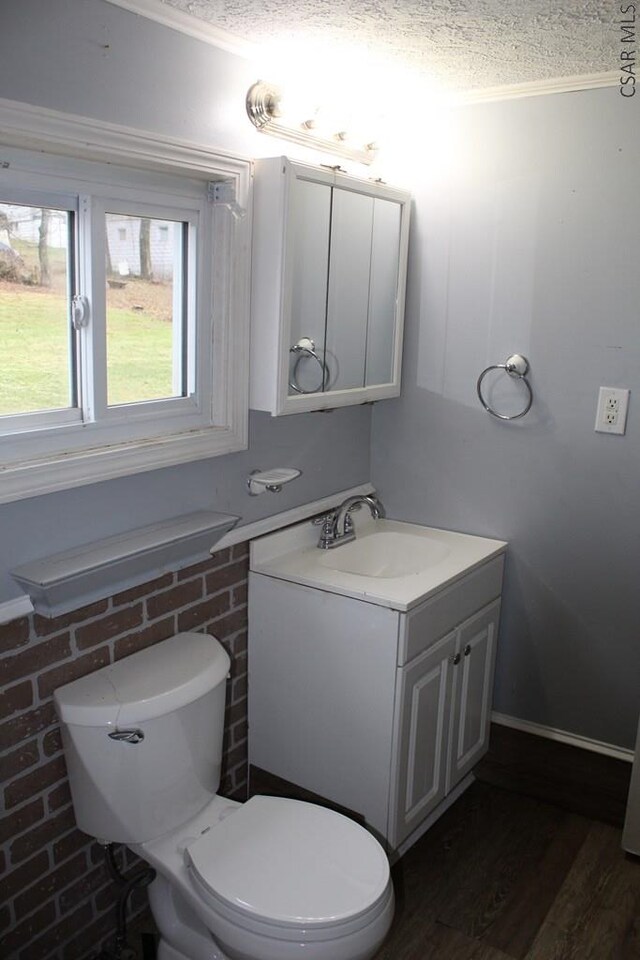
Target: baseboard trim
{"points": [[563, 736]]}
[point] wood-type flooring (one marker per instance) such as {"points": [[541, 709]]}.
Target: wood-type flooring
{"points": [[505, 875]]}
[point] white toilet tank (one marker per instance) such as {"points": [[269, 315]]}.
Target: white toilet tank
{"points": [[143, 738]]}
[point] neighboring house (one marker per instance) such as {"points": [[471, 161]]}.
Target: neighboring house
{"points": [[24, 224], [123, 235]]}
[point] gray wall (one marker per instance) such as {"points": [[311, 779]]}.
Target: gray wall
{"points": [[527, 240], [97, 60]]}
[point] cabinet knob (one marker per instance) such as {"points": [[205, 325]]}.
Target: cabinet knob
{"points": [[455, 660], [467, 650]]}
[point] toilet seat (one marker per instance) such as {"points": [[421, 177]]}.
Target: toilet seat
{"points": [[278, 866]]}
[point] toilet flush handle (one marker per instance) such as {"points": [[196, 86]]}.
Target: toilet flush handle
{"points": [[127, 736]]}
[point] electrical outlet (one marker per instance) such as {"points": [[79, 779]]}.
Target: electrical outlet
{"points": [[611, 415]]}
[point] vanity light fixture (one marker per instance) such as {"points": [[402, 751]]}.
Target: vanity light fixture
{"points": [[265, 109]]}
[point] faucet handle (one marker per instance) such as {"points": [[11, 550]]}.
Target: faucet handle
{"points": [[328, 533], [323, 518]]}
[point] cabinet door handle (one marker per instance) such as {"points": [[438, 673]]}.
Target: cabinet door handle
{"points": [[455, 660], [467, 650]]}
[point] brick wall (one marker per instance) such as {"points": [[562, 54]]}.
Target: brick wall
{"points": [[58, 901]]}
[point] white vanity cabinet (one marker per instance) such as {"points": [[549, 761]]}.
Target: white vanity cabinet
{"points": [[381, 711], [329, 267]]}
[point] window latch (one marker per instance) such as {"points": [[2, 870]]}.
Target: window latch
{"points": [[79, 312]]}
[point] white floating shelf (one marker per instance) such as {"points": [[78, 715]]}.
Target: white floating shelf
{"points": [[68, 580]]}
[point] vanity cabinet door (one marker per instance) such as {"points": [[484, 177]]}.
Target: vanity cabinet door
{"points": [[442, 721], [425, 691], [472, 710]]}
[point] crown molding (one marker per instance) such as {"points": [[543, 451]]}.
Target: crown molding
{"points": [[538, 88], [192, 26]]}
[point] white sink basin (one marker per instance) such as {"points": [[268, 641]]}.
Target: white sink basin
{"points": [[385, 554], [390, 563]]}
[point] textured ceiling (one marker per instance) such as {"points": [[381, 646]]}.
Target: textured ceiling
{"points": [[457, 44]]}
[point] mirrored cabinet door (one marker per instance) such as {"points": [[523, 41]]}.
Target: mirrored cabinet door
{"points": [[310, 219], [348, 300], [383, 291]]}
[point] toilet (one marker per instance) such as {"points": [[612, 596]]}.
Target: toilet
{"points": [[269, 879]]}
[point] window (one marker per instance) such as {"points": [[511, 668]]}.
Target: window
{"points": [[148, 310], [117, 290], [37, 355]]}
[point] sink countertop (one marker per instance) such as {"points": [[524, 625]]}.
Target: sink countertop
{"points": [[292, 554]]}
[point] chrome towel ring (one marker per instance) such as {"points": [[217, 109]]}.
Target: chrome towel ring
{"points": [[305, 347], [516, 366]]}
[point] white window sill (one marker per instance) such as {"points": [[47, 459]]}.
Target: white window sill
{"points": [[31, 478]]}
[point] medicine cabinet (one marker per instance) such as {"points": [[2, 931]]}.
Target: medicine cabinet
{"points": [[329, 273]]}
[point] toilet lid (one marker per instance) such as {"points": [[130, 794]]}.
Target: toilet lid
{"points": [[291, 863]]}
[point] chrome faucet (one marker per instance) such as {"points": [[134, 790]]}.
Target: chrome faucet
{"points": [[337, 525]]}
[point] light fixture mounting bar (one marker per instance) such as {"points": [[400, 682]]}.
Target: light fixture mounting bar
{"points": [[263, 105]]}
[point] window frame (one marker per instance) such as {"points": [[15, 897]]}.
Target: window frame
{"points": [[199, 219], [63, 416], [127, 439]]}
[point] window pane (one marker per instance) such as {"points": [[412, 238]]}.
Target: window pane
{"points": [[35, 333], [146, 315]]}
